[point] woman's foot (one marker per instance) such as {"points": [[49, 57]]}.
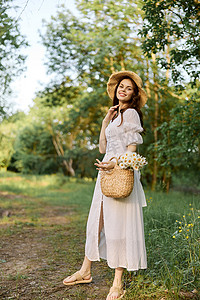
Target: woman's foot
{"points": [[78, 277], [116, 292]]}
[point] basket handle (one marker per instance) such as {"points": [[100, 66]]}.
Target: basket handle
{"points": [[110, 172]]}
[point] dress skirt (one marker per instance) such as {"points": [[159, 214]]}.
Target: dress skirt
{"points": [[122, 241]]}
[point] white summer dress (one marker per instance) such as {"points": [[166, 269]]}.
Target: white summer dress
{"points": [[122, 241]]}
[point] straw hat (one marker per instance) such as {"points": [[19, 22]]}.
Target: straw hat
{"points": [[115, 78]]}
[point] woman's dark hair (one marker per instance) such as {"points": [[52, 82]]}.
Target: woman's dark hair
{"points": [[134, 102]]}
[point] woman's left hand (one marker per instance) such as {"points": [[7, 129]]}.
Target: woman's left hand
{"points": [[104, 165]]}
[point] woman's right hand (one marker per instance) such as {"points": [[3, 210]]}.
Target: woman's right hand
{"points": [[111, 113]]}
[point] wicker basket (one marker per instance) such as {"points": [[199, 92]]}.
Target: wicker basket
{"points": [[117, 183]]}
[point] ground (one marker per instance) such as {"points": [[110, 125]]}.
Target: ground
{"points": [[42, 238], [35, 259], [33, 269]]}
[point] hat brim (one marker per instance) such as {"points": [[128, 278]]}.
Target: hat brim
{"points": [[115, 78]]}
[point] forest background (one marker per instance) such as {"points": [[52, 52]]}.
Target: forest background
{"points": [[159, 40]]}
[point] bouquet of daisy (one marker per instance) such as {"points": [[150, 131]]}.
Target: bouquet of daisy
{"points": [[132, 161]]}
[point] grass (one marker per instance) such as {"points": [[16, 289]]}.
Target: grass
{"points": [[172, 241], [44, 235]]}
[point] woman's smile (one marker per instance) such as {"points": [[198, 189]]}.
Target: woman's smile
{"points": [[122, 94]]}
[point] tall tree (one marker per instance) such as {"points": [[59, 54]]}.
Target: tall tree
{"points": [[171, 33], [11, 44], [104, 40], [174, 26]]}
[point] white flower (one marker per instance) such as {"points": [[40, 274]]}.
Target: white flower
{"points": [[129, 160], [122, 166], [136, 168]]}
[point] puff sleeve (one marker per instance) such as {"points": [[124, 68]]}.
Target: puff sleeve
{"points": [[132, 127]]}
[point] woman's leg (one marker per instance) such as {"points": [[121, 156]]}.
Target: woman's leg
{"points": [[101, 220], [86, 267], [118, 276], [117, 282], [85, 270]]}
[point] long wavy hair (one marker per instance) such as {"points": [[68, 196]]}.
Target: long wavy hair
{"points": [[134, 102]]}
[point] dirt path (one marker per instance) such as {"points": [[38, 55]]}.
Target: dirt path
{"points": [[36, 256], [33, 268]]}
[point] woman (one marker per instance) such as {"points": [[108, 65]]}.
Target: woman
{"points": [[115, 226]]}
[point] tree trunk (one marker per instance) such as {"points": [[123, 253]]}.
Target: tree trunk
{"points": [[168, 59], [66, 165], [147, 81], [111, 63], [168, 184], [155, 125], [122, 64]]}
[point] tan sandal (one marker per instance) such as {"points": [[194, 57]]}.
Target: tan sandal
{"points": [[79, 279], [117, 289]]}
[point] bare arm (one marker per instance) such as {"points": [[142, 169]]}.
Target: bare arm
{"points": [[106, 120], [132, 148], [102, 138]]}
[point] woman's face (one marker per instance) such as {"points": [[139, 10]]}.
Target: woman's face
{"points": [[125, 90]]}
